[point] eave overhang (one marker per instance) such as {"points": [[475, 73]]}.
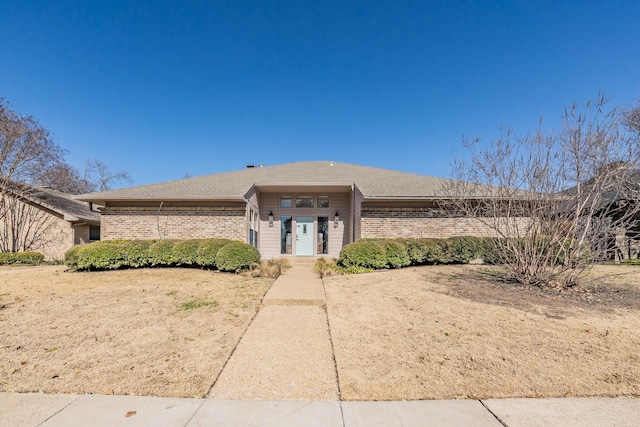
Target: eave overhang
{"points": [[98, 200]]}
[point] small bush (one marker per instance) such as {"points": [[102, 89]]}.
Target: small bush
{"points": [[104, 255], [414, 250], [27, 258], [161, 253], [186, 252], [71, 257], [271, 268], [434, 251], [375, 254], [236, 256], [208, 251], [396, 253], [325, 267], [461, 250], [136, 253], [367, 253]]}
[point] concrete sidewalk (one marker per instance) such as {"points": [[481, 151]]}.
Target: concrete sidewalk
{"points": [[33, 409]]}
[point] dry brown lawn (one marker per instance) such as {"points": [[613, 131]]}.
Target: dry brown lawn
{"points": [[418, 333], [442, 332], [158, 332]]}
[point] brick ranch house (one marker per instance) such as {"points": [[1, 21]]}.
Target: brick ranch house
{"points": [[297, 209], [45, 220]]}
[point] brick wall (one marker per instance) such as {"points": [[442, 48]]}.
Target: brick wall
{"points": [[142, 223], [417, 222]]}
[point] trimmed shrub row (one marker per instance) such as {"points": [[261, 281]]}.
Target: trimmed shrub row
{"points": [[28, 257], [221, 254], [379, 254]]}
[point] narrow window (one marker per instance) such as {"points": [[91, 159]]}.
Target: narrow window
{"points": [[286, 202], [323, 235], [304, 202], [94, 232], [285, 234], [253, 228]]}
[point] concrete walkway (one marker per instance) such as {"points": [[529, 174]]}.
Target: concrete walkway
{"points": [[283, 373], [286, 353]]}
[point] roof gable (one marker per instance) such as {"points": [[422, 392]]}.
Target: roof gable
{"points": [[56, 201]]}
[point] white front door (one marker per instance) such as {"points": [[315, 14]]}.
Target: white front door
{"points": [[304, 236]]}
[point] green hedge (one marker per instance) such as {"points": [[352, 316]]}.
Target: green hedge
{"points": [[204, 253], [367, 253], [161, 253], [236, 256], [208, 251], [28, 257], [185, 252], [461, 250], [376, 254]]}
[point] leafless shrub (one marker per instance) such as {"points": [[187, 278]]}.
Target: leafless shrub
{"points": [[271, 268], [554, 202], [325, 267]]}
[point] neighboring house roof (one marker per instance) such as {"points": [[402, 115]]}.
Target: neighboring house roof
{"points": [[374, 183], [627, 187], [62, 203]]}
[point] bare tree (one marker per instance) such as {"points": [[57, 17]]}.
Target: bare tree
{"points": [[65, 178], [555, 202], [26, 149], [99, 173]]}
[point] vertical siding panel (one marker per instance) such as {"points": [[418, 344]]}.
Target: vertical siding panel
{"points": [[339, 236], [269, 239]]}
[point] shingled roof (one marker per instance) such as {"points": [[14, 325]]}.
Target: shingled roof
{"points": [[374, 183], [62, 203]]}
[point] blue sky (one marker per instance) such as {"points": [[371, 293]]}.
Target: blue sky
{"points": [[165, 88]]}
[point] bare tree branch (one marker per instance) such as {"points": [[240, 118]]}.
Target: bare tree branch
{"points": [[98, 172], [65, 178]]}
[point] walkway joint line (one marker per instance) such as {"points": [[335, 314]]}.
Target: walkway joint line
{"points": [[333, 353], [60, 410], [492, 413]]}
